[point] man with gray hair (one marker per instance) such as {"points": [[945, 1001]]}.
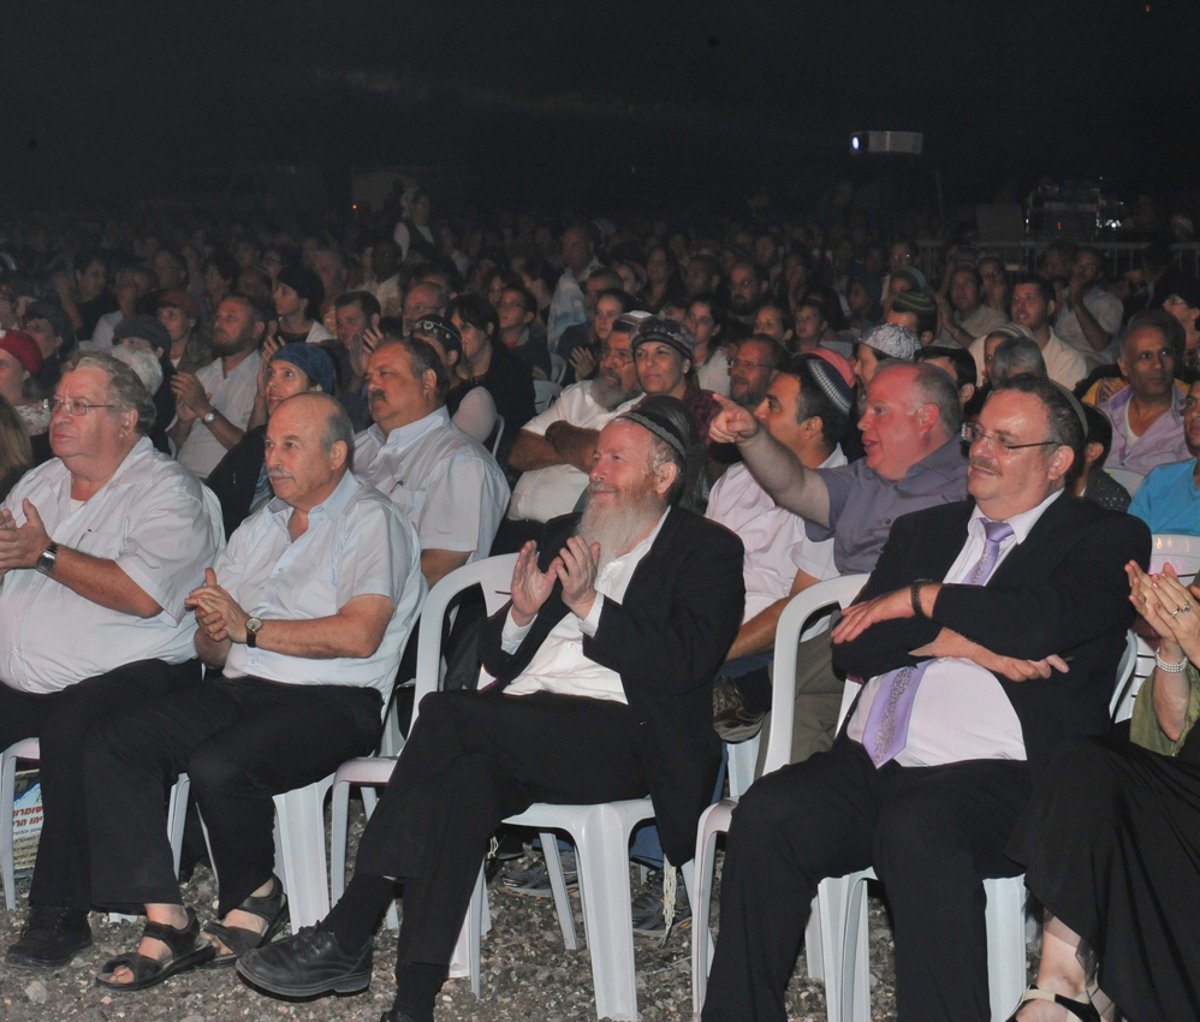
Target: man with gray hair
{"points": [[305, 614], [554, 450], [105, 540], [910, 429], [601, 668], [1013, 357]]}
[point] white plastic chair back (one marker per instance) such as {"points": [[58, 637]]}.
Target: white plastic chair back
{"points": [[1180, 550], [499, 435], [558, 367], [800, 609], [1130, 480], [544, 393]]}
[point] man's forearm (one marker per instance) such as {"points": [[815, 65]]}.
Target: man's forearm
{"points": [[531, 451], [1093, 332], [102, 582], [792, 486], [575, 446], [355, 631]]}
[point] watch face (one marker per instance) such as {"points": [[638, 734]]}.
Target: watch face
{"points": [[253, 624]]}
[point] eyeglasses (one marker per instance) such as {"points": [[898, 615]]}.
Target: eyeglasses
{"points": [[745, 363], [622, 358], [74, 407], [972, 432]]}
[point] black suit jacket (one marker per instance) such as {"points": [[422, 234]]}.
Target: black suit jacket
{"points": [[1063, 590], [666, 640]]}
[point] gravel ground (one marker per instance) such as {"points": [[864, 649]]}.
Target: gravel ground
{"points": [[527, 974]]}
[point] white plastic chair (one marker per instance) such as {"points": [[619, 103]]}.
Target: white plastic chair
{"points": [[499, 435], [544, 393], [558, 367], [26, 749], [1182, 551], [493, 575], [837, 591], [1127, 478]]}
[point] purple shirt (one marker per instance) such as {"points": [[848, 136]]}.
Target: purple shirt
{"points": [[1161, 444], [863, 505]]}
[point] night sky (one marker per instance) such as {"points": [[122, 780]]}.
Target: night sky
{"points": [[598, 105]]}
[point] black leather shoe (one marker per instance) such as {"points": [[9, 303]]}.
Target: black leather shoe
{"points": [[51, 937], [310, 963]]}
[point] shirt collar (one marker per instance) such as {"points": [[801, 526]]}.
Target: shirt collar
{"points": [[331, 507], [1022, 523], [410, 432]]}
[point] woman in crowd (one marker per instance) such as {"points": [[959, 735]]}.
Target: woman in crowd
{"points": [[16, 452], [487, 363], [219, 273], [298, 297], [20, 361], [706, 320], [180, 316], [774, 320], [1111, 843], [85, 297], [662, 277], [878, 343], [471, 408]]}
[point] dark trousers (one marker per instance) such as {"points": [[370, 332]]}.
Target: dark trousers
{"points": [[931, 833], [241, 742], [61, 721], [472, 760]]}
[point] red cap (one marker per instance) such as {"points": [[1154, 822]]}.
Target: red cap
{"points": [[23, 348]]}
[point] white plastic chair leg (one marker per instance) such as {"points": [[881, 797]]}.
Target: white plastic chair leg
{"points": [[27, 748], [715, 820], [300, 851], [558, 889], [1005, 917], [743, 758]]}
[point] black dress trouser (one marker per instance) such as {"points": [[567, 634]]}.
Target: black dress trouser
{"points": [[931, 834], [61, 722], [241, 741], [472, 760]]}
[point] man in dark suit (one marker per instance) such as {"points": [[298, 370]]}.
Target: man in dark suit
{"points": [[972, 678], [603, 664]]}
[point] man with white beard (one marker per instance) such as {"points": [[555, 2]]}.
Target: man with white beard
{"points": [[598, 687], [553, 452]]}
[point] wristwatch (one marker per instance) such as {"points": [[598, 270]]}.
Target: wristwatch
{"points": [[208, 418], [45, 561], [253, 627]]}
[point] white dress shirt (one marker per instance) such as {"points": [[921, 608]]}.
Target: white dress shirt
{"points": [[559, 665], [232, 396], [357, 544], [960, 711], [446, 484], [156, 522]]}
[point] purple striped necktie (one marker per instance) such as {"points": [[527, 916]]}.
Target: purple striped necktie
{"points": [[886, 730]]}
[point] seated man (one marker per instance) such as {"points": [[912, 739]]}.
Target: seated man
{"points": [[553, 452], [1147, 416], [603, 665], [910, 430], [447, 485], [805, 409], [101, 544], [1169, 498], [307, 612], [925, 783]]}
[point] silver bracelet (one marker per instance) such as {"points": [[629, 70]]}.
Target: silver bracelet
{"points": [[1168, 667]]}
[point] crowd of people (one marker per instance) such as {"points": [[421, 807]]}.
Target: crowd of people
{"points": [[234, 457]]}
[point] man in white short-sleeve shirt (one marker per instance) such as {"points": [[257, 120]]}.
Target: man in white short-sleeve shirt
{"points": [[306, 613], [554, 450], [806, 409], [447, 485], [213, 405], [99, 548]]}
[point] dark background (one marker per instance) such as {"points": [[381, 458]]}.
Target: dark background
{"points": [[599, 105]]}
